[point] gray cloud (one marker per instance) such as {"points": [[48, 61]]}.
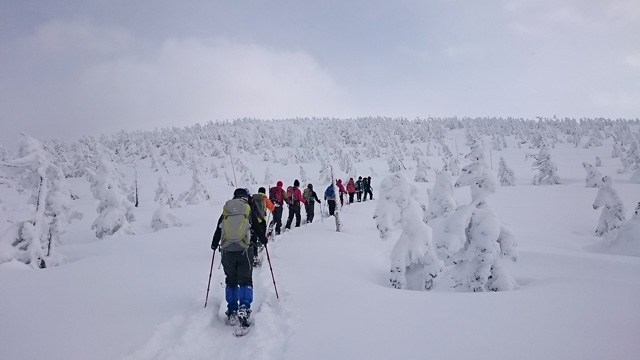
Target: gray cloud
{"points": [[74, 67]]}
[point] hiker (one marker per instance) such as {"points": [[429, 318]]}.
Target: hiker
{"points": [[359, 188], [330, 198], [367, 188], [278, 196], [342, 191], [295, 198], [233, 235], [351, 189], [261, 204], [311, 198]]}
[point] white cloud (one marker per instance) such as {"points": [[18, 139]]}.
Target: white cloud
{"points": [[186, 80], [202, 80]]}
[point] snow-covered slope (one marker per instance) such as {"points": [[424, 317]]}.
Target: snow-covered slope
{"points": [[141, 297]]}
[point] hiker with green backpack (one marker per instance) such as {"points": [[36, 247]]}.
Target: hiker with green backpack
{"points": [[233, 236], [311, 198]]}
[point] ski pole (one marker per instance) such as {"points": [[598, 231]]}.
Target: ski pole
{"points": [[270, 268], [209, 283]]}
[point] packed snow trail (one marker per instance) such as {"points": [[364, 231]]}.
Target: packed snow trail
{"points": [[202, 334], [295, 256]]}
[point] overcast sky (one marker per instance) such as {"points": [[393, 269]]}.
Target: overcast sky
{"points": [[75, 67]]}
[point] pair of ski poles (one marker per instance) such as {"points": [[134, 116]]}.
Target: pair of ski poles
{"points": [[206, 300], [211, 272]]}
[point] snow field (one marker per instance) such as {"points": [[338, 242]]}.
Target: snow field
{"points": [[141, 297]]}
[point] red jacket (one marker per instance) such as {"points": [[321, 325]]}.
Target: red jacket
{"points": [[351, 186], [341, 187], [298, 196]]}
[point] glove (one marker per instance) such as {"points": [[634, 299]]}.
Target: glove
{"points": [[318, 201], [214, 246], [264, 240]]}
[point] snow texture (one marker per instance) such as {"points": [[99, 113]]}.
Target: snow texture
{"points": [[140, 297]]}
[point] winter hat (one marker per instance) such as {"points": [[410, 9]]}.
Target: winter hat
{"points": [[239, 192], [311, 187], [262, 190], [296, 183], [339, 181], [279, 183], [359, 177]]}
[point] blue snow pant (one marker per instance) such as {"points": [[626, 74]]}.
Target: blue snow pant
{"points": [[238, 270]]}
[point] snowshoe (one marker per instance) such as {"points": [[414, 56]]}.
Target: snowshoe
{"points": [[232, 318], [244, 317], [256, 262]]}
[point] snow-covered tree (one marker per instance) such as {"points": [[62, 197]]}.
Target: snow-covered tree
{"points": [[385, 216], [633, 155], [414, 264], [325, 172], [395, 164], [453, 165], [268, 176], [593, 142], [34, 240], [246, 175], [213, 170], [115, 211], [547, 169], [304, 179], [594, 177], [617, 150], [229, 181], [162, 218], [625, 239], [476, 239], [346, 163], [421, 170], [198, 191], [626, 165], [612, 207], [164, 195], [441, 198], [506, 175]]}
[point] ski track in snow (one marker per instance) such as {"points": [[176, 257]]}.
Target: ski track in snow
{"points": [[203, 334]]}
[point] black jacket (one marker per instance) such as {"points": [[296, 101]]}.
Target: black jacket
{"points": [[313, 196]]}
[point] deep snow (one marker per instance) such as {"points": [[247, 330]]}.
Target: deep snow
{"points": [[141, 297]]}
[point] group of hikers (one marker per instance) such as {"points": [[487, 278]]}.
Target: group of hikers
{"points": [[242, 230], [358, 187]]}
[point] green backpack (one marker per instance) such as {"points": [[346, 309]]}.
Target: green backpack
{"points": [[306, 195], [236, 227], [259, 206]]}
